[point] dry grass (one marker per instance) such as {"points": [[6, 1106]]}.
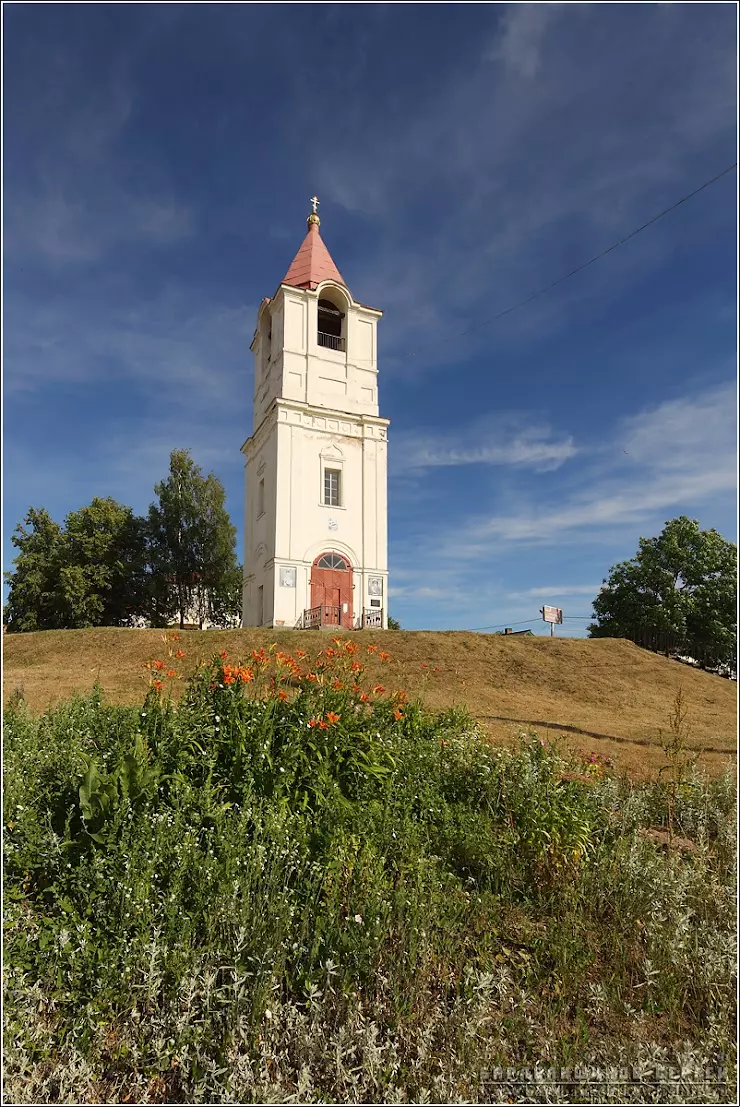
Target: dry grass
{"points": [[605, 695]]}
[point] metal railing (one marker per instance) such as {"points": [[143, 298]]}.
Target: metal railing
{"points": [[324, 616], [331, 341], [321, 616]]}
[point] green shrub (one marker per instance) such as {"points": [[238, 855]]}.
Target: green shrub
{"points": [[288, 886]]}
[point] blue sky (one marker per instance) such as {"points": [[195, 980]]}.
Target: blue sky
{"points": [[158, 161]]}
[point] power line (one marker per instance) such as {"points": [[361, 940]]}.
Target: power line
{"points": [[499, 626], [524, 622], [579, 268]]}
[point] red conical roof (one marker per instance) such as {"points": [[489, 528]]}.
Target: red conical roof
{"points": [[312, 264]]}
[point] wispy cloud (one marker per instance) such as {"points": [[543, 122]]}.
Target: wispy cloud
{"points": [[520, 42], [555, 591], [528, 162], [671, 457], [71, 198], [677, 457], [172, 345], [502, 440]]}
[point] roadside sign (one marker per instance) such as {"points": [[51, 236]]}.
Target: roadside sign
{"points": [[552, 615]]}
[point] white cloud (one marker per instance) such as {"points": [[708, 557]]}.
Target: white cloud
{"points": [[670, 458], [191, 354], [499, 440], [81, 195], [539, 154], [520, 43], [680, 459], [556, 591]]}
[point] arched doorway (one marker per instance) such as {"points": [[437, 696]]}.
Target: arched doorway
{"points": [[331, 589]]}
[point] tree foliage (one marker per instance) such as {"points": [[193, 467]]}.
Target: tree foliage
{"points": [[34, 601], [104, 576], [683, 582], [106, 565], [90, 572], [192, 546]]}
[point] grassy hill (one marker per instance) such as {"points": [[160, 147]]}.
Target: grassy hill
{"points": [[296, 886], [605, 695]]}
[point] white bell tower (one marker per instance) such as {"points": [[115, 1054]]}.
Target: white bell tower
{"points": [[316, 509]]}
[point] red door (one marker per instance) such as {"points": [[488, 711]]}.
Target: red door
{"points": [[331, 589]]}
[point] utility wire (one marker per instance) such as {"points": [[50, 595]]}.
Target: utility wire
{"points": [[579, 268], [500, 626], [524, 622]]}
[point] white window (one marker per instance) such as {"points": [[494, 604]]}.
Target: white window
{"points": [[333, 487], [261, 497]]}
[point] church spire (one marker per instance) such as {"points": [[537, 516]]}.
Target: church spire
{"points": [[313, 262]]}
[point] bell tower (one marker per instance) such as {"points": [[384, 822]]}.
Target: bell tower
{"points": [[316, 511]]}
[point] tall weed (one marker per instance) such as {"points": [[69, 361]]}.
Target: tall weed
{"points": [[293, 886]]}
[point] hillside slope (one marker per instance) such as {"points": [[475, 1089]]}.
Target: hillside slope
{"points": [[603, 695]]}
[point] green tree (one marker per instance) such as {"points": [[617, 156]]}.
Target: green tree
{"points": [[192, 546], [685, 582], [90, 572], [224, 601], [34, 601], [104, 577], [393, 624]]}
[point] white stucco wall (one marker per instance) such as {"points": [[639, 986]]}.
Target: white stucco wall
{"points": [[313, 407]]}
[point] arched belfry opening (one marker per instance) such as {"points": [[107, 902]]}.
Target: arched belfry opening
{"points": [[331, 323]]}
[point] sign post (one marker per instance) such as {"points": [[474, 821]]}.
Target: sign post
{"points": [[552, 615]]}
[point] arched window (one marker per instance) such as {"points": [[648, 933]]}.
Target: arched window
{"points": [[331, 325], [332, 561]]}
